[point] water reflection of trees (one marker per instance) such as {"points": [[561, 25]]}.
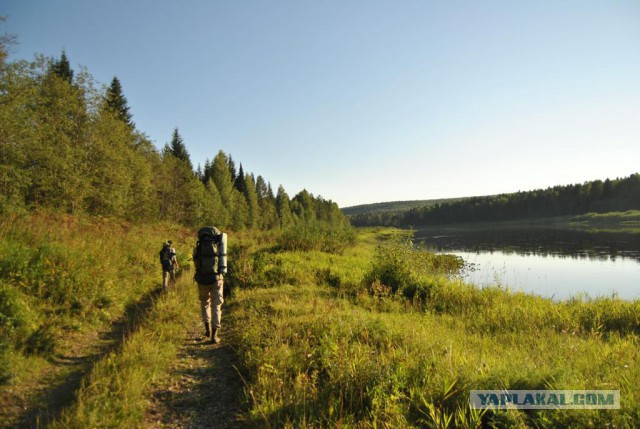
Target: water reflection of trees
{"points": [[540, 242]]}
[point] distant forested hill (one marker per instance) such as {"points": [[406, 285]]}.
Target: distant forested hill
{"points": [[387, 213], [392, 206], [596, 196]]}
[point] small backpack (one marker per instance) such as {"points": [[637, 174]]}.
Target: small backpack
{"points": [[165, 256], [210, 255]]}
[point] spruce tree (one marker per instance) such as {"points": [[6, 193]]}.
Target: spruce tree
{"points": [[239, 182], [178, 149], [62, 68], [207, 171], [268, 217], [117, 103], [59, 150]]}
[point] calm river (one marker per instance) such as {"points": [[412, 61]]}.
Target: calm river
{"points": [[548, 262]]}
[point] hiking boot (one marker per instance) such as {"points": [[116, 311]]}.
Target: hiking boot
{"points": [[215, 339]]}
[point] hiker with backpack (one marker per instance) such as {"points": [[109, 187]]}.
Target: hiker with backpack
{"points": [[169, 264], [210, 260]]}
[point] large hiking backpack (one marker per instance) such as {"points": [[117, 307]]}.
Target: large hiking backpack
{"points": [[165, 256], [210, 257]]}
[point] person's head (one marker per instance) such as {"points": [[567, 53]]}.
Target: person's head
{"points": [[169, 241]]}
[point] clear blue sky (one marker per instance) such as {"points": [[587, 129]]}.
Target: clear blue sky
{"points": [[368, 101]]}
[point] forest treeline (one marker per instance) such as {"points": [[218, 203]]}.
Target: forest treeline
{"points": [[69, 144], [590, 197]]}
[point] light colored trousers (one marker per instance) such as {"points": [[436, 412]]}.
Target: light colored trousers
{"points": [[168, 276], [211, 299]]}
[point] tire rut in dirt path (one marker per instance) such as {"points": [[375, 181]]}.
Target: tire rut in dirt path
{"points": [[202, 390], [36, 403]]}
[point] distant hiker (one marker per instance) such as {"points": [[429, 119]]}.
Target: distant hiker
{"points": [[169, 264], [210, 260]]}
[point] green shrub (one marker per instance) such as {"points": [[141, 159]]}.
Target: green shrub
{"points": [[408, 270], [14, 314], [260, 269], [14, 261], [15, 321], [325, 238]]}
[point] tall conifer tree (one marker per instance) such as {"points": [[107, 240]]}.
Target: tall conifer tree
{"points": [[206, 171], [178, 149], [266, 200], [62, 68], [117, 103], [239, 182]]}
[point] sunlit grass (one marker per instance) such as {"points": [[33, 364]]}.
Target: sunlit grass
{"points": [[628, 221], [318, 356], [378, 335], [115, 394], [62, 276]]}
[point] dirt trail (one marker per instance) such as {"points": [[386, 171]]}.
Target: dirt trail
{"points": [[203, 388]]}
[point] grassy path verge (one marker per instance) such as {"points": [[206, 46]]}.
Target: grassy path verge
{"points": [[41, 401], [115, 393]]}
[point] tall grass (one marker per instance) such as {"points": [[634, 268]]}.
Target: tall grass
{"points": [[380, 334], [64, 275], [115, 394], [317, 236], [318, 356]]}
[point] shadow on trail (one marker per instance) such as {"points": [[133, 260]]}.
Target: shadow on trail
{"points": [[61, 391]]}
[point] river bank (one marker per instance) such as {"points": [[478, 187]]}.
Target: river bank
{"points": [[628, 221]]}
